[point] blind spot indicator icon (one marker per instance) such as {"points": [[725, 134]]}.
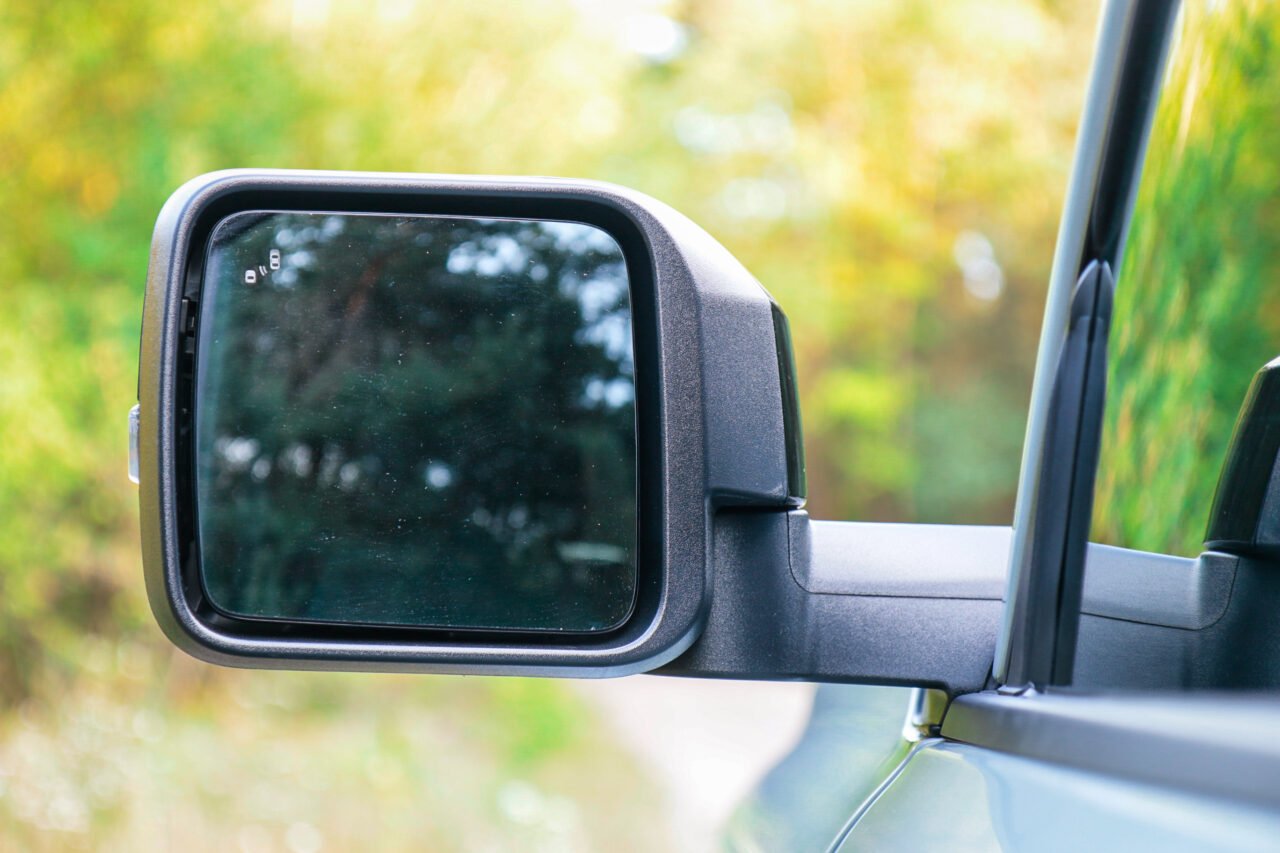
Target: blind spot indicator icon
{"points": [[250, 277], [273, 259]]}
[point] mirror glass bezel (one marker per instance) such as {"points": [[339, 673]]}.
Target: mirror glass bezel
{"points": [[645, 336]]}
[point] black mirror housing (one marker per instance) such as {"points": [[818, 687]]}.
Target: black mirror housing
{"points": [[716, 412]]}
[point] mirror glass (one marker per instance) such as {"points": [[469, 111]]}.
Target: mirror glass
{"points": [[416, 421]]}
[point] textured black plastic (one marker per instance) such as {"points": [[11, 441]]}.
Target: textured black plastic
{"points": [[1246, 506], [765, 624]]}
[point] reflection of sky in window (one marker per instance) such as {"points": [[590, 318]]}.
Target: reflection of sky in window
{"points": [[332, 226], [600, 286], [437, 475], [603, 304]]}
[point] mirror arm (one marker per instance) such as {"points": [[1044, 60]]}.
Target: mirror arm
{"points": [[893, 604], [918, 605]]}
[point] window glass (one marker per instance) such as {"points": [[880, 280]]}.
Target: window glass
{"points": [[1196, 298]]}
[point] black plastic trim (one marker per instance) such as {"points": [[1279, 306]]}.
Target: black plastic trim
{"points": [[797, 486], [1037, 647]]}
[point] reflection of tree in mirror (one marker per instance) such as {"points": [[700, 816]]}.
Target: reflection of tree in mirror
{"points": [[417, 420]]}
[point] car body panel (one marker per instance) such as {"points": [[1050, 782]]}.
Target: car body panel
{"points": [[955, 796]]}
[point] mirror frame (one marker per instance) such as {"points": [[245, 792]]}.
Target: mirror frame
{"points": [[206, 314], [715, 421]]}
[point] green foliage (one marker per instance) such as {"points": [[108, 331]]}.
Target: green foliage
{"points": [[1196, 298], [66, 519]]}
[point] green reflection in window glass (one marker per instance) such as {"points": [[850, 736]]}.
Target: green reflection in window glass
{"points": [[1197, 296]]}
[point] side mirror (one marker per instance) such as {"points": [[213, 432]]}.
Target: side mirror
{"points": [[448, 424]]}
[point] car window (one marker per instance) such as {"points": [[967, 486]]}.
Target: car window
{"points": [[1196, 298]]}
